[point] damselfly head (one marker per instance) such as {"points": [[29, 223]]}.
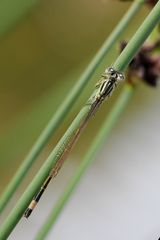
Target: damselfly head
{"points": [[114, 74], [110, 70]]}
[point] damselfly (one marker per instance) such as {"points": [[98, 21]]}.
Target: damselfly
{"points": [[103, 89]]}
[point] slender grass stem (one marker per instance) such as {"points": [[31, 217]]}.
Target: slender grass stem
{"points": [[97, 144], [62, 111], [121, 63]]}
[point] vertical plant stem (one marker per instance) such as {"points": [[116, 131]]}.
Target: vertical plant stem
{"points": [[122, 62], [97, 144], [65, 107]]}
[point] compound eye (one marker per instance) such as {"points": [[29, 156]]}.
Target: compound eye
{"points": [[111, 70], [121, 77]]}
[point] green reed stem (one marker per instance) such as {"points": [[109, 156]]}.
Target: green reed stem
{"points": [[96, 146], [65, 107], [121, 63]]}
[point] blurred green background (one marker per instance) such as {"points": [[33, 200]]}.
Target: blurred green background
{"points": [[44, 46]]}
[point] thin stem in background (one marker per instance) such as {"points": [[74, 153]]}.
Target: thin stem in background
{"points": [[121, 63], [65, 107], [103, 134]]}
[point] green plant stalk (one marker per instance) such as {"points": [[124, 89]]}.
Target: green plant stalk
{"points": [[102, 136], [121, 63], [65, 107]]}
